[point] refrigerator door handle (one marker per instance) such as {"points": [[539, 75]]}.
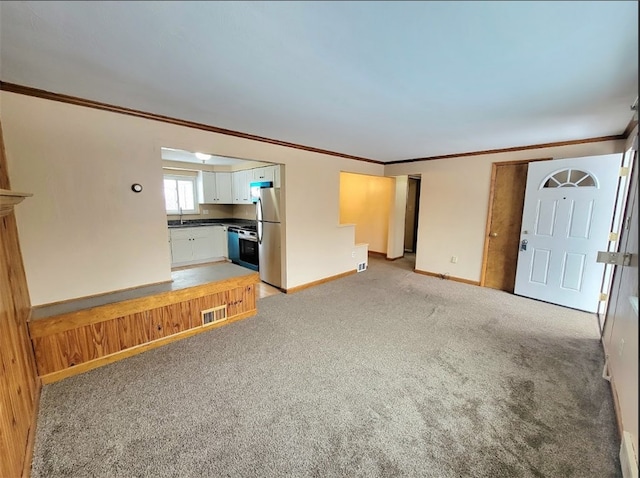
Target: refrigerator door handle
{"points": [[259, 216]]}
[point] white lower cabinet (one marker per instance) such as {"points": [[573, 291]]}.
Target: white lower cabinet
{"points": [[181, 247], [192, 245], [221, 245]]}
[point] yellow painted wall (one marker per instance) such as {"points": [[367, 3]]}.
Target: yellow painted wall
{"points": [[366, 201]]}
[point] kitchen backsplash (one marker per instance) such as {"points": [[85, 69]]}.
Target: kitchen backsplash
{"points": [[244, 211], [213, 211], [220, 211]]}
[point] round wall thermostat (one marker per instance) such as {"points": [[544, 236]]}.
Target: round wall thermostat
{"points": [[136, 188]]}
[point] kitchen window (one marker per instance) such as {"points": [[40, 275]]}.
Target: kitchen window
{"points": [[180, 195]]}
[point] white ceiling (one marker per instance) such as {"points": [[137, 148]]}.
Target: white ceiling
{"points": [[381, 80]]}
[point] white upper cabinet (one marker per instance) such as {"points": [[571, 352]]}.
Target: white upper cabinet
{"points": [[224, 188], [241, 181], [214, 188], [206, 187], [266, 173]]}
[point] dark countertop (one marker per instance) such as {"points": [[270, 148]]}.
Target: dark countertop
{"points": [[211, 222]]}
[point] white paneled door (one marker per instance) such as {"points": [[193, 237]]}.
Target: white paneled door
{"points": [[566, 220]]}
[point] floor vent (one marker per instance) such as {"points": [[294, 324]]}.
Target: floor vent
{"points": [[628, 461], [217, 314], [362, 266]]}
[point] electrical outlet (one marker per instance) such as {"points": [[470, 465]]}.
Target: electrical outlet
{"points": [[205, 211], [353, 254], [454, 259]]}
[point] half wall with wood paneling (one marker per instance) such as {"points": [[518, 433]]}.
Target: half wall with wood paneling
{"points": [[74, 342], [18, 386]]}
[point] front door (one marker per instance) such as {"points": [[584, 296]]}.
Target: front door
{"points": [[566, 220]]}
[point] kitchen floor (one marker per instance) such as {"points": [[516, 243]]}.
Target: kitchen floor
{"points": [[265, 290], [262, 289]]}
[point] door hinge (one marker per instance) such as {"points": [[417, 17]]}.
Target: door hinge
{"points": [[603, 297], [624, 172], [613, 236], [615, 258]]}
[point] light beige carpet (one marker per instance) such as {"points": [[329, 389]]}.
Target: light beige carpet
{"points": [[383, 373]]}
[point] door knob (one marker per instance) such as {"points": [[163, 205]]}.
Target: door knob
{"points": [[494, 234]]}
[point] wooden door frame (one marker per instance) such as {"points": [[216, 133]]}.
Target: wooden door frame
{"points": [[494, 171]]}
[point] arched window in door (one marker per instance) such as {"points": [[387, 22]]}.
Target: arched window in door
{"points": [[569, 178]]}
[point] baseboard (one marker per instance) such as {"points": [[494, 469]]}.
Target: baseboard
{"points": [[377, 254], [627, 456], [616, 407], [447, 277], [628, 460], [318, 282], [31, 437], [115, 357], [178, 265], [614, 392]]}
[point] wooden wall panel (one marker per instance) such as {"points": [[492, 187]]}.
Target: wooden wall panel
{"points": [[18, 380], [133, 330], [77, 344]]}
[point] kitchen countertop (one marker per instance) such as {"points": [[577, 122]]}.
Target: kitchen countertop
{"points": [[210, 222]]}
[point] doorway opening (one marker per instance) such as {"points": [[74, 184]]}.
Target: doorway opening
{"points": [[540, 268], [365, 202], [411, 215], [502, 235]]}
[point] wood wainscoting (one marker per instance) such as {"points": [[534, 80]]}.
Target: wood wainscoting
{"points": [[19, 387], [81, 340]]}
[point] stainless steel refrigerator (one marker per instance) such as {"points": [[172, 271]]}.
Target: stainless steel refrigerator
{"points": [[268, 215]]}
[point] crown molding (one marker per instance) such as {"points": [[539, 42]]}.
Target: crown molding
{"points": [[74, 100], [515, 148]]}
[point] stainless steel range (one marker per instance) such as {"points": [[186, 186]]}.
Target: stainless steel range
{"points": [[243, 246]]}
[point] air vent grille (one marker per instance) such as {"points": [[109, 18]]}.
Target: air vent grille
{"points": [[217, 314]]}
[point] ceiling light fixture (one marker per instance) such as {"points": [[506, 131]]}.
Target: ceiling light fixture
{"points": [[203, 156]]}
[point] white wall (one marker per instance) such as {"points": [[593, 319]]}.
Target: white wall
{"points": [[620, 338], [85, 232], [454, 202]]}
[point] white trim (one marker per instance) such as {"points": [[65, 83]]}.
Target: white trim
{"points": [[192, 180]]}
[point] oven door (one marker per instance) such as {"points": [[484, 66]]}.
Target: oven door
{"points": [[248, 253]]}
